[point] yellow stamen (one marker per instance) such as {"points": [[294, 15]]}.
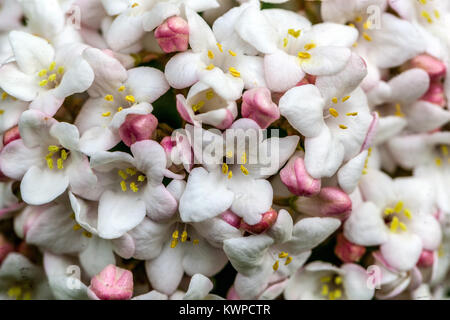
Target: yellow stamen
{"points": [[234, 72], [334, 112], [133, 187], [244, 158], [283, 255], [123, 185], [59, 164], [437, 14], [15, 292], [407, 213], [209, 94], [343, 126], [424, 2], [141, 178], [438, 162], [210, 67], [42, 73], [60, 70], [338, 280], [337, 294], [402, 226], [53, 148], [134, 5], [210, 54], [444, 150], [398, 110], [119, 109], [324, 290], [367, 25], [109, 97], [288, 260], [175, 234], [285, 42], [358, 19], [173, 243], [130, 99], [49, 163], [4, 95], [230, 174], [27, 295], [52, 66], [244, 170], [76, 227], [355, 45], [63, 154], [232, 53], [229, 154], [335, 100], [294, 33], [388, 211], [304, 55], [220, 47], [72, 216], [195, 242], [122, 174], [367, 37], [352, 25], [43, 83], [345, 98], [276, 265], [131, 171], [224, 168], [394, 224], [184, 236], [427, 16], [198, 106], [310, 46], [351, 114], [121, 88], [106, 114], [398, 207], [87, 234], [325, 279]]}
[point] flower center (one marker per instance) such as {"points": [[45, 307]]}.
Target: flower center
{"points": [[122, 97], [51, 77], [184, 237], [333, 112], [131, 178], [393, 216], [20, 291], [218, 57], [229, 158], [331, 287], [428, 12], [77, 227], [282, 255], [56, 155]]}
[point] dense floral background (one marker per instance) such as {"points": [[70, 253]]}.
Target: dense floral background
{"points": [[118, 178]]}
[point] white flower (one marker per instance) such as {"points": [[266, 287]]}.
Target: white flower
{"points": [[47, 159], [45, 76]]}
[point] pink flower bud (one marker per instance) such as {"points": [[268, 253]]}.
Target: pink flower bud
{"points": [[5, 248], [137, 127], [435, 68], [297, 179], [11, 135], [257, 105], [330, 202], [435, 94], [231, 218], [268, 219], [426, 259], [173, 35], [348, 251], [112, 283], [168, 144]]}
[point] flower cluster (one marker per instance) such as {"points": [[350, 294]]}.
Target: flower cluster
{"points": [[293, 149]]}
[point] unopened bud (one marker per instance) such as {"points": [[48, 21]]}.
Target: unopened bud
{"points": [[348, 251], [137, 127], [257, 105], [173, 35], [11, 135], [435, 68], [268, 220], [295, 177], [426, 259], [112, 283]]}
